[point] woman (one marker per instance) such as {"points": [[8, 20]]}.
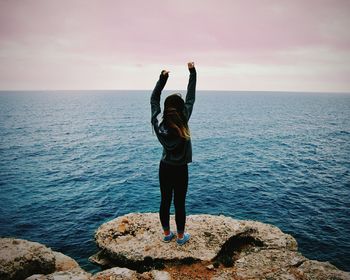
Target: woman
{"points": [[174, 135]]}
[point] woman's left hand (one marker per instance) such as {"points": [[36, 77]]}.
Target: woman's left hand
{"points": [[165, 72]]}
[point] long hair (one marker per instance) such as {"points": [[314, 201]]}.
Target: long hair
{"points": [[174, 117]]}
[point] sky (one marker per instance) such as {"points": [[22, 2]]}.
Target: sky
{"points": [[263, 45]]}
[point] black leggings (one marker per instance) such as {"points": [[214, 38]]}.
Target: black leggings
{"points": [[173, 178]]}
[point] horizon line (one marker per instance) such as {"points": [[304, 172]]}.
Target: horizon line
{"points": [[176, 90]]}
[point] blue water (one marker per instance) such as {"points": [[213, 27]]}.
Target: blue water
{"points": [[71, 161]]}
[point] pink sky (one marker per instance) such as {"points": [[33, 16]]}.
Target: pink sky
{"points": [[287, 45]]}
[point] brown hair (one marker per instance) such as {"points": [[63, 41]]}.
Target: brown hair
{"points": [[174, 117]]}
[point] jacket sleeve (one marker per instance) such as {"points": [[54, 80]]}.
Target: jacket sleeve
{"points": [[167, 143], [155, 98], [191, 92]]}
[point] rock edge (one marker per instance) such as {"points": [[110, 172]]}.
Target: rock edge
{"points": [[237, 249]]}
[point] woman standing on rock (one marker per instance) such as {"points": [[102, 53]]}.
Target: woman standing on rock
{"points": [[174, 135]]}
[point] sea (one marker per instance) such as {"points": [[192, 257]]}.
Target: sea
{"points": [[72, 160]]}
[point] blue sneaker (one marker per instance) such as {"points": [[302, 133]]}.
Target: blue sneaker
{"points": [[183, 240], [169, 237]]}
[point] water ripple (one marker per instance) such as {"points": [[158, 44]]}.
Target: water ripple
{"points": [[71, 161]]}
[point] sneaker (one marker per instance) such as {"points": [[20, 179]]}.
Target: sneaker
{"points": [[183, 240], [169, 237]]}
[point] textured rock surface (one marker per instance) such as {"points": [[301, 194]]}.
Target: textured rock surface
{"points": [[64, 263], [221, 248], [118, 273], [236, 249], [137, 236], [21, 258], [268, 263], [311, 269], [74, 274]]}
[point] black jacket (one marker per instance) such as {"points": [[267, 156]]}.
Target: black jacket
{"points": [[176, 150]]}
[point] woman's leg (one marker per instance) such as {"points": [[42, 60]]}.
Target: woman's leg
{"points": [[166, 195], [180, 190]]}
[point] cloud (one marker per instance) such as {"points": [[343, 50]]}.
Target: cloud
{"points": [[236, 44]]}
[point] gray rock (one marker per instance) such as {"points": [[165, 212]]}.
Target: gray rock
{"points": [[21, 258]]}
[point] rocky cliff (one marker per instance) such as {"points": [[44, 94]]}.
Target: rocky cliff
{"points": [[220, 248], [131, 248]]}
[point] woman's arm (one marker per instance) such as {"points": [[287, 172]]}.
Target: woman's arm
{"points": [[155, 109], [191, 89], [155, 97]]}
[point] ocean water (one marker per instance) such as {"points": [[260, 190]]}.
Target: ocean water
{"points": [[71, 161]]}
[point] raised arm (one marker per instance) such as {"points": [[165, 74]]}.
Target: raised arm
{"points": [[155, 97], [191, 89]]}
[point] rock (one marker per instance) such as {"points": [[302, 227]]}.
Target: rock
{"points": [[140, 241], [115, 273], [160, 275], [225, 274], [21, 258], [37, 277], [220, 248], [119, 273], [100, 259], [74, 274], [64, 263], [311, 270], [65, 268], [271, 263]]}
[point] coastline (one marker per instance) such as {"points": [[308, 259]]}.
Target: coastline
{"points": [[131, 248]]}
